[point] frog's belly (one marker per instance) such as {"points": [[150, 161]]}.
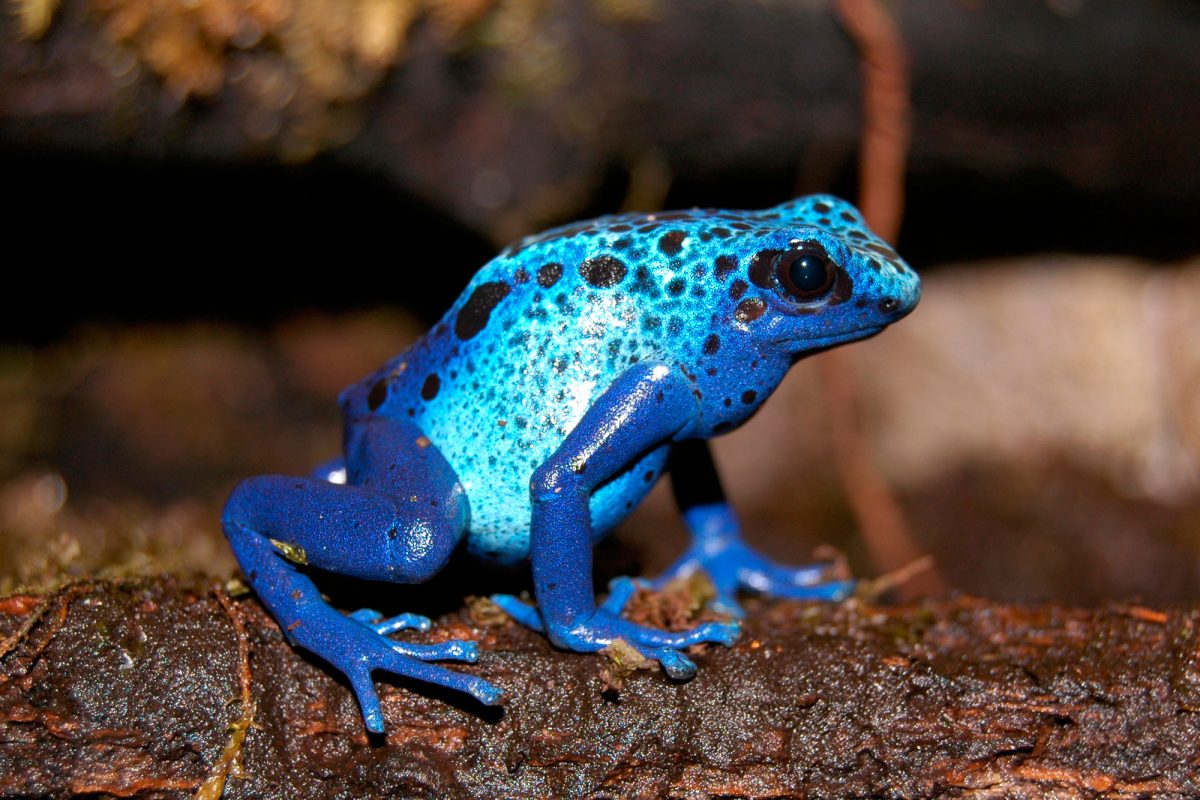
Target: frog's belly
{"points": [[500, 509]]}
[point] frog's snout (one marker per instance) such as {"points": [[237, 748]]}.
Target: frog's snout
{"points": [[901, 300], [893, 308]]}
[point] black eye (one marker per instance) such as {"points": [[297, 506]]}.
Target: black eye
{"points": [[806, 273]]}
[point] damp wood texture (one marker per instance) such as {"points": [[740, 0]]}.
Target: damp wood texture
{"points": [[173, 689]]}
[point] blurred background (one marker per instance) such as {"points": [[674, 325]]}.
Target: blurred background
{"points": [[221, 212]]}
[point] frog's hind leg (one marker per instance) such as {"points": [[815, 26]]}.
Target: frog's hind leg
{"points": [[717, 545], [398, 518]]}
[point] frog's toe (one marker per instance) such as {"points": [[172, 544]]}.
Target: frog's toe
{"points": [[734, 566], [725, 633], [455, 650], [487, 693], [796, 583], [608, 626], [521, 612], [830, 590], [401, 622], [359, 657], [620, 591], [760, 574], [399, 663], [726, 603], [368, 699], [365, 615], [674, 663], [604, 628], [482, 690]]}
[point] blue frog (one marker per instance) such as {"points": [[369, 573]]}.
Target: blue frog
{"points": [[577, 367]]}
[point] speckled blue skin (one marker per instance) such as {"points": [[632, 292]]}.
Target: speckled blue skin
{"points": [[544, 406]]}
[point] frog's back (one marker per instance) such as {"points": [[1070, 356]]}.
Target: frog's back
{"points": [[512, 367], [544, 328]]}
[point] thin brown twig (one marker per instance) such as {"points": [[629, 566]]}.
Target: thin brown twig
{"points": [[63, 598], [229, 763], [887, 124], [885, 139], [20, 633]]}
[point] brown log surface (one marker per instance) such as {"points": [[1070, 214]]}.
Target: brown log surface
{"points": [[131, 689]]}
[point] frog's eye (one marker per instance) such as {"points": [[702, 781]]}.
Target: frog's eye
{"points": [[805, 273]]}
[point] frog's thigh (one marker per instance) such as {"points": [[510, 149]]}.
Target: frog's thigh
{"points": [[398, 518]]}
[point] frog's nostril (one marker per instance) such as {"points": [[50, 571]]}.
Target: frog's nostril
{"points": [[889, 304]]}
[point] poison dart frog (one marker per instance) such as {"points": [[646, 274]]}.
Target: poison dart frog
{"points": [[577, 366]]}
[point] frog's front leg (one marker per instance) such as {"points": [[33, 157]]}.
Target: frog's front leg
{"points": [[717, 546], [644, 408], [397, 518]]}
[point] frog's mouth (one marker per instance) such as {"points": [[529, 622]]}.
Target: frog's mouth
{"points": [[808, 347]]}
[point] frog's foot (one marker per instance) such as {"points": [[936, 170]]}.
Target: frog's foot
{"points": [[732, 566], [605, 625], [620, 590], [356, 647]]}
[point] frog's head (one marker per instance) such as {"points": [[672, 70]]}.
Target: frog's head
{"points": [[821, 278]]}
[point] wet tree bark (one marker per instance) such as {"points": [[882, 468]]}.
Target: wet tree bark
{"points": [[168, 689]]}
